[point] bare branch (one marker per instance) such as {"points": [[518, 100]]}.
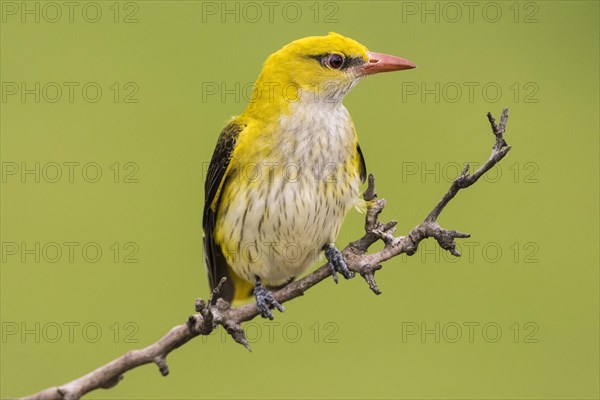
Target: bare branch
{"points": [[218, 312], [465, 180]]}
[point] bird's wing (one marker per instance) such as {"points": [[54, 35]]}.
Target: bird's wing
{"points": [[217, 175], [361, 164]]}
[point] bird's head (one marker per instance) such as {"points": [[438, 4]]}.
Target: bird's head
{"points": [[322, 68]]}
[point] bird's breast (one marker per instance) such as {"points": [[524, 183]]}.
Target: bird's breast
{"points": [[291, 196]]}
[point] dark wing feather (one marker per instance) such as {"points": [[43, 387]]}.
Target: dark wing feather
{"points": [[216, 177], [363, 165]]}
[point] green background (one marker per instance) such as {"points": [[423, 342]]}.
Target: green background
{"points": [[531, 263]]}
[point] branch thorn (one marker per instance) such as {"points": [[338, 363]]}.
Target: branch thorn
{"points": [[161, 362]]}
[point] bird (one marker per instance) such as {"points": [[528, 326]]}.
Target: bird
{"points": [[285, 172]]}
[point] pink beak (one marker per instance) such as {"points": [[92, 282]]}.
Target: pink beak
{"points": [[384, 63]]}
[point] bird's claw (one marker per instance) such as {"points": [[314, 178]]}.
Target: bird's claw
{"points": [[265, 300], [337, 262]]}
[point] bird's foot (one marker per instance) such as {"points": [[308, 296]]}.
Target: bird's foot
{"points": [[337, 262], [265, 300]]}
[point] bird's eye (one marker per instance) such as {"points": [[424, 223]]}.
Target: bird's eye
{"points": [[335, 61]]}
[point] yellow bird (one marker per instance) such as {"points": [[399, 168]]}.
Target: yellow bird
{"points": [[285, 173]]}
